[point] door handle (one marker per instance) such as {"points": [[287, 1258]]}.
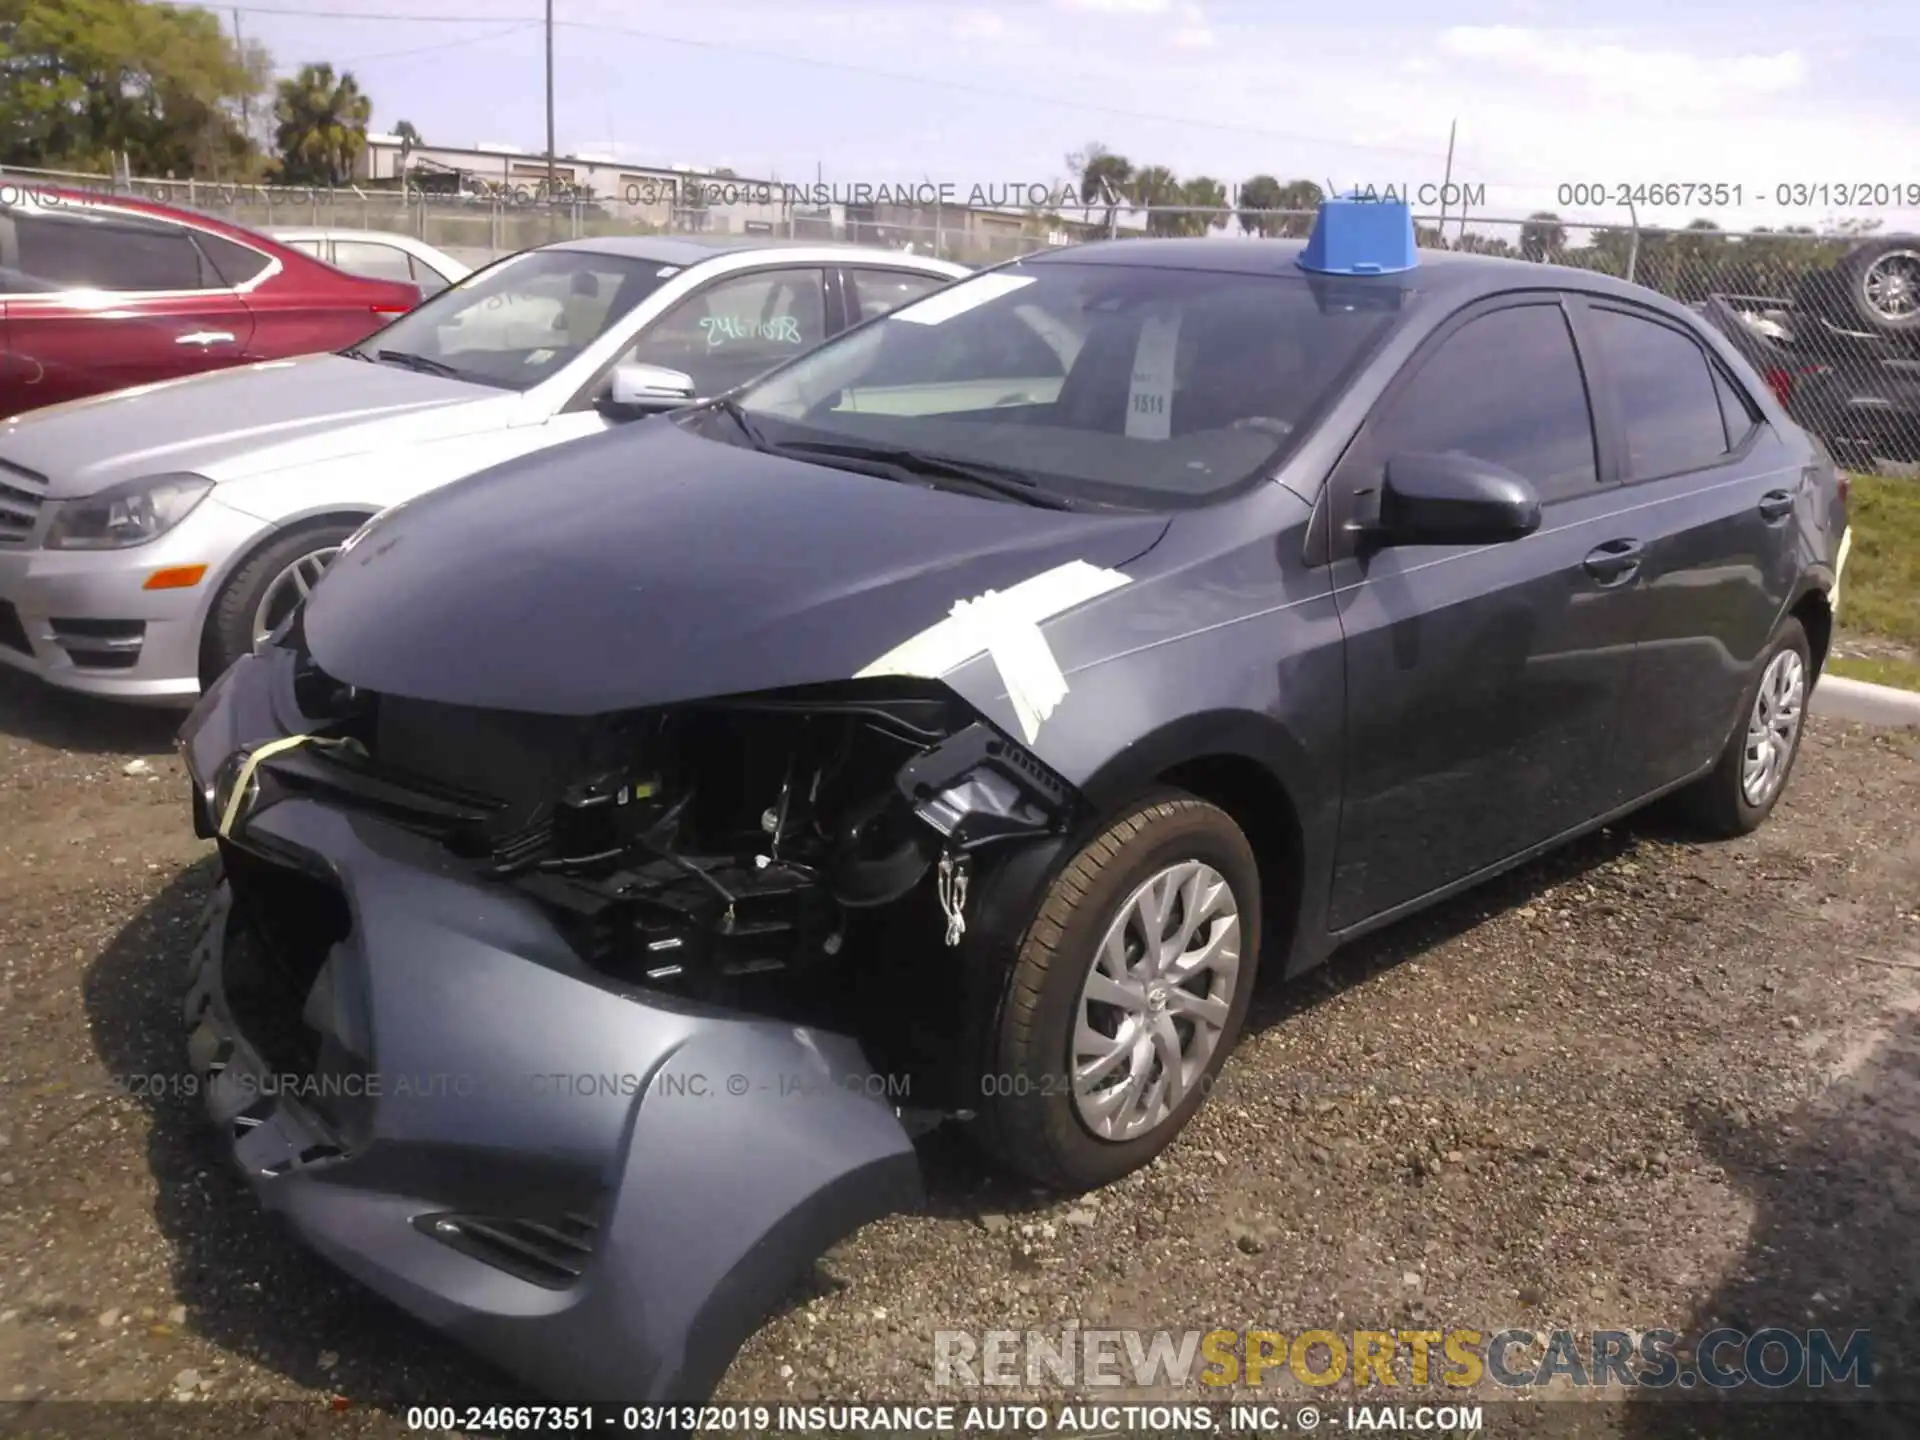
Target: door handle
{"points": [[205, 337], [1776, 504], [1614, 561]]}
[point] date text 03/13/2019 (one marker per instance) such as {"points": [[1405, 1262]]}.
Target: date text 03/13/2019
{"points": [[1727, 194]]}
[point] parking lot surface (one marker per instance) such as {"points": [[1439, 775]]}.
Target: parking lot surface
{"points": [[1643, 1083]]}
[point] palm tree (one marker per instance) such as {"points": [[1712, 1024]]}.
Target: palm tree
{"points": [[1303, 196], [1542, 236], [1103, 178], [1258, 194], [409, 139], [1203, 191], [321, 126], [1155, 187]]}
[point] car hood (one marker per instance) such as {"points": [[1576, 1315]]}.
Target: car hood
{"points": [[250, 420], [650, 566]]}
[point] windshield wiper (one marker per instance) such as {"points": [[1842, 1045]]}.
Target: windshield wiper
{"points": [[1001, 480], [737, 413], [425, 364]]}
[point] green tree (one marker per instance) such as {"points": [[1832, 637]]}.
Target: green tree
{"points": [[1302, 197], [1157, 190], [1543, 237], [1204, 193], [85, 81], [1258, 194], [1101, 176], [321, 126]]}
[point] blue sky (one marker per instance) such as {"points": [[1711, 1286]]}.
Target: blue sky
{"points": [[1747, 93]]}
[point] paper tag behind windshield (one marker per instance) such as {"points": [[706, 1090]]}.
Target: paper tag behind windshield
{"points": [[1150, 399]]}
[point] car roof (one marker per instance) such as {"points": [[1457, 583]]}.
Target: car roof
{"points": [[1458, 275], [688, 250]]}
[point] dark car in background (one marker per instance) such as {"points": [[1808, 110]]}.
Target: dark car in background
{"points": [[102, 292], [945, 728], [1843, 353]]}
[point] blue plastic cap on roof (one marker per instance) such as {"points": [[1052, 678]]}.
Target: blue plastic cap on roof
{"points": [[1353, 235]]}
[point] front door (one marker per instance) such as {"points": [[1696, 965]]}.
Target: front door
{"points": [[1483, 682]]}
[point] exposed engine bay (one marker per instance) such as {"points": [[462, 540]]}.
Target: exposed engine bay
{"points": [[797, 854]]}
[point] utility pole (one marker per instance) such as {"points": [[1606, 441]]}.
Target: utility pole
{"points": [[1446, 181], [246, 100], [551, 187]]}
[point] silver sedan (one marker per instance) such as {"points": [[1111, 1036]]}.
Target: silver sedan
{"points": [[152, 536]]}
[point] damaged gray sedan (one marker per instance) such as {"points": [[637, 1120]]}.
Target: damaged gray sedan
{"points": [[627, 850]]}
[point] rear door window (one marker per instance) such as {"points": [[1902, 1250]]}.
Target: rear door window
{"points": [[234, 263], [1670, 403], [1735, 409], [372, 259], [878, 291]]}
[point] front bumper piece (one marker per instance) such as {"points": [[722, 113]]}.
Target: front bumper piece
{"points": [[603, 1191]]}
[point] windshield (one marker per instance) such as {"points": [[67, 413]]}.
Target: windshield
{"points": [[517, 322], [1127, 385]]}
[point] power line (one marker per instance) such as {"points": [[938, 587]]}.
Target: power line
{"points": [[513, 29], [872, 72]]}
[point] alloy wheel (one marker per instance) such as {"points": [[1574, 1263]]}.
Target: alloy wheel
{"points": [[1155, 1001], [1773, 727], [288, 589], [1892, 284]]}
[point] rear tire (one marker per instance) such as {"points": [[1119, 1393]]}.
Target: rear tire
{"points": [[272, 574], [1167, 1004], [1752, 773]]}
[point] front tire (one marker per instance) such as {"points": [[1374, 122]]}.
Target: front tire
{"points": [[1743, 788], [264, 590], [1130, 988]]}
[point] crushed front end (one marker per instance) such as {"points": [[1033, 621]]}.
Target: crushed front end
{"points": [[582, 1038]]}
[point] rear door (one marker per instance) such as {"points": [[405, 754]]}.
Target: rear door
{"points": [[127, 300], [1484, 682], [1710, 493]]}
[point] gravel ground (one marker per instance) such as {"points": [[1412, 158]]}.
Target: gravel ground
{"points": [[1645, 1083]]}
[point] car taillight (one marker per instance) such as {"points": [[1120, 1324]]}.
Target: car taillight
{"points": [[391, 309], [1845, 486], [1781, 383]]}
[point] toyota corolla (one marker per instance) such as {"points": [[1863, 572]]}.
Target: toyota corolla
{"points": [[946, 729]]}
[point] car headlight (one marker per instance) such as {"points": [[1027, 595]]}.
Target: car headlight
{"points": [[126, 515]]}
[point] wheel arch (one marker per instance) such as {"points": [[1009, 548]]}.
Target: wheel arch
{"points": [[1814, 611], [1251, 767], [269, 534]]}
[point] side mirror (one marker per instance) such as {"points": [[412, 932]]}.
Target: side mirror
{"points": [[644, 389], [1451, 499]]}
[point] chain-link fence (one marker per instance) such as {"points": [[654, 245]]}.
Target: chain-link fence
{"points": [[1832, 322], [498, 218]]}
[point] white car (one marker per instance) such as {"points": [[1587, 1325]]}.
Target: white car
{"points": [[159, 533], [382, 254]]}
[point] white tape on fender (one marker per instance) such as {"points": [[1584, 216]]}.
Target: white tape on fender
{"points": [[1839, 570], [1006, 625]]}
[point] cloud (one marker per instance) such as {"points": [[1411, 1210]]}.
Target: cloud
{"points": [[1118, 7], [1194, 32], [981, 25], [1655, 79]]}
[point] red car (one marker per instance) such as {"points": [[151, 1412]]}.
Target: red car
{"points": [[99, 292]]}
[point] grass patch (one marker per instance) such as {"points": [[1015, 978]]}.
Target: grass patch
{"points": [[1900, 674], [1880, 591]]}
